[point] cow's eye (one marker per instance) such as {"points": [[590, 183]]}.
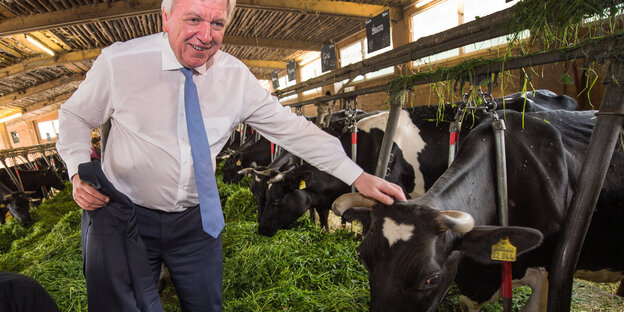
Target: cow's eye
{"points": [[433, 280]]}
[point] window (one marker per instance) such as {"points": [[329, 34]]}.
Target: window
{"points": [[479, 8], [267, 84], [48, 130], [310, 70], [357, 52], [283, 82], [14, 137], [433, 20], [350, 54], [383, 71]]}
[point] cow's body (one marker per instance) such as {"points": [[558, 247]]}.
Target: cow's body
{"points": [[306, 187], [258, 154], [34, 180], [418, 157], [412, 258]]}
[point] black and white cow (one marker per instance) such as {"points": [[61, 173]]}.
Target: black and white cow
{"points": [[291, 193], [415, 249], [418, 158]]}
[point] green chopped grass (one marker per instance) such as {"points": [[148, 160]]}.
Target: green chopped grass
{"points": [[302, 269]]}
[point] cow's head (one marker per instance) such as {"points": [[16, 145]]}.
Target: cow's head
{"points": [[260, 177], [412, 250], [286, 200], [18, 205], [231, 167]]}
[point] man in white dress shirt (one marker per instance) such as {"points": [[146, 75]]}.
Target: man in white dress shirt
{"points": [[139, 86]]}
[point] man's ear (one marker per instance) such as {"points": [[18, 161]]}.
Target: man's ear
{"points": [[165, 21]]}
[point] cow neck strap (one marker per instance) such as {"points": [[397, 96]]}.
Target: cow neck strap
{"points": [[209, 202]]}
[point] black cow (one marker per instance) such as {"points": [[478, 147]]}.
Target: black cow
{"points": [[234, 142], [418, 157], [415, 249], [34, 180], [258, 152], [16, 203]]}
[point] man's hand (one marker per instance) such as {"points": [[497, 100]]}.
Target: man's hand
{"points": [[378, 188], [87, 197]]}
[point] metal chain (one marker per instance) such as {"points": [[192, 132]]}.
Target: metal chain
{"points": [[351, 113]]}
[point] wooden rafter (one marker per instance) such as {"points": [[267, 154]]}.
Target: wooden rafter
{"points": [[122, 9], [273, 43], [78, 56], [51, 101], [78, 15], [322, 7], [265, 64], [44, 61], [16, 96]]}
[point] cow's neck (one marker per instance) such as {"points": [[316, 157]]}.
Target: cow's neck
{"points": [[467, 186]]}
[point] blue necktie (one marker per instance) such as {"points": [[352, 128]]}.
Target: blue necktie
{"points": [[209, 203]]}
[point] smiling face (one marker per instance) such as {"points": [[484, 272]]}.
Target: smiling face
{"points": [[195, 29]]}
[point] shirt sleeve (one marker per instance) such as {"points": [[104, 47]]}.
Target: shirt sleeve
{"points": [[296, 134], [88, 108]]}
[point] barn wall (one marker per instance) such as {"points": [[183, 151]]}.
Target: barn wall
{"points": [[27, 131]]}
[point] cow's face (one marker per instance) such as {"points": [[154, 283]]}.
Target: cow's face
{"points": [[285, 202], [410, 259], [19, 207], [232, 165], [259, 184], [412, 252]]}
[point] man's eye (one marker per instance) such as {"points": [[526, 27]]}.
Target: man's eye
{"points": [[217, 25]]}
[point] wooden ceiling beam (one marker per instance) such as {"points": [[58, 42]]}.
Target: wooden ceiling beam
{"points": [[53, 103], [16, 96], [265, 64], [121, 9], [78, 15], [273, 43], [322, 7], [45, 61]]}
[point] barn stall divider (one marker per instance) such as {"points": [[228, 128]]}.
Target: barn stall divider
{"points": [[602, 142], [27, 157]]}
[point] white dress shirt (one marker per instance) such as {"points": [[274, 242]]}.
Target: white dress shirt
{"points": [[139, 86]]}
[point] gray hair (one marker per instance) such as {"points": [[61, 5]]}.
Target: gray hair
{"points": [[168, 4]]}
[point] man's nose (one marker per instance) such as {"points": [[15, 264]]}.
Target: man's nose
{"points": [[204, 34]]}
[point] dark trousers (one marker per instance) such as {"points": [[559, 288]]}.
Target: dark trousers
{"points": [[194, 258], [116, 266]]}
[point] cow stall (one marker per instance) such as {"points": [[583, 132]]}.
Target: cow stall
{"points": [[606, 48]]}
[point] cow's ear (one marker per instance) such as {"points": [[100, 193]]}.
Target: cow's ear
{"points": [[304, 179], [477, 244]]}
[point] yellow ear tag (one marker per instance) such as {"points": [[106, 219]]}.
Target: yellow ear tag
{"points": [[302, 185], [504, 251], [238, 163]]}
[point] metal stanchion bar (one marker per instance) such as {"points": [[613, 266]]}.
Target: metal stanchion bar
{"points": [[396, 104], [598, 157]]}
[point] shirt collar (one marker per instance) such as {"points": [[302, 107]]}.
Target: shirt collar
{"points": [[170, 62]]}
